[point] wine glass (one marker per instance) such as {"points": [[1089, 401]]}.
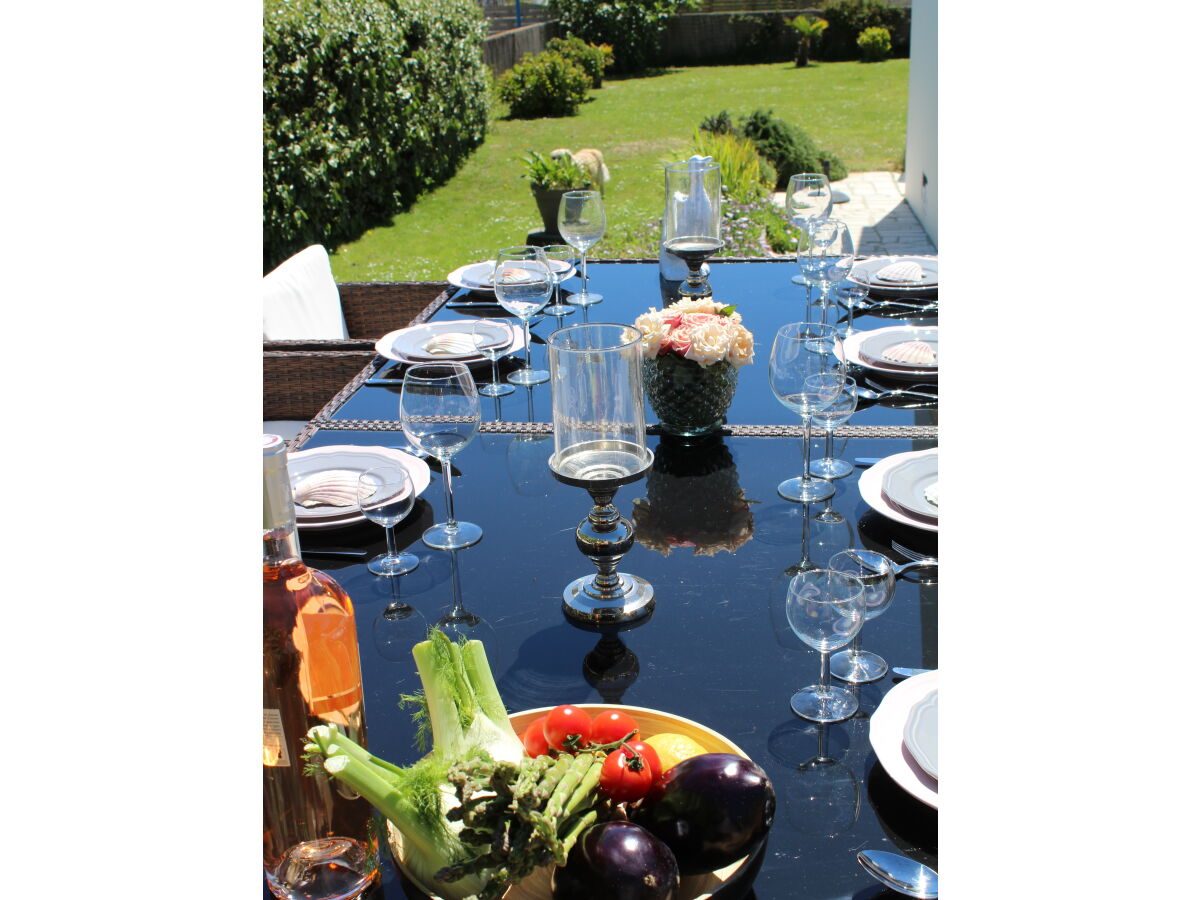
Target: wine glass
{"points": [[492, 338], [581, 223], [835, 241], [692, 220], [806, 375], [439, 411], [824, 608], [829, 418], [523, 284], [386, 496], [559, 257], [808, 199], [875, 571]]}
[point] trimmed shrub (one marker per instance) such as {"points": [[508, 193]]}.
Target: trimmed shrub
{"points": [[721, 123], [874, 44], [366, 105], [632, 27], [592, 59], [547, 84], [788, 148], [849, 18]]}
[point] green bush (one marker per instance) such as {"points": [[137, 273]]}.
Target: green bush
{"points": [[788, 148], [875, 44], [849, 18], [366, 104], [547, 84], [745, 176], [633, 27], [721, 123], [590, 58], [560, 174]]}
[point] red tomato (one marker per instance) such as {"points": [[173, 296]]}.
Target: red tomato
{"points": [[611, 725], [567, 728], [651, 757], [534, 739], [625, 776]]}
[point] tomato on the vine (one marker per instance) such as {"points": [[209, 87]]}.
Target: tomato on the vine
{"points": [[625, 775], [612, 725], [567, 728], [534, 738], [650, 755]]}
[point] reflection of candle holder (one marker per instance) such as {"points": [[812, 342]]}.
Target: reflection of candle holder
{"points": [[693, 499], [599, 445]]}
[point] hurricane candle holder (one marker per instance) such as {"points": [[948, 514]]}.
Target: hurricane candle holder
{"points": [[692, 219], [600, 445]]}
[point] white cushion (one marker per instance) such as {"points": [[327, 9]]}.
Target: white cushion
{"points": [[300, 299]]}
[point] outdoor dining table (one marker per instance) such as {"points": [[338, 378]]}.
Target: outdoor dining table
{"points": [[715, 540]]}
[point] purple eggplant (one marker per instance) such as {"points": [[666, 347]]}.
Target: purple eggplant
{"points": [[616, 861], [710, 810]]}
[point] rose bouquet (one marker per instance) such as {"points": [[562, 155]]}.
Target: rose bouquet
{"points": [[693, 350]]}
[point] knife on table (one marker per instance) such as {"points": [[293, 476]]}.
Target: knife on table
{"points": [[904, 672]]}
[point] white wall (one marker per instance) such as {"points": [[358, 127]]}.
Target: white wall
{"points": [[921, 151]]}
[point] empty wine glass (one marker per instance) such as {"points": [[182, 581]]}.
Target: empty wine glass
{"points": [[560, 257], [581, 223], [878, 578], [829, 418], [439, 411], [808, 199], [824, 608], [806, 375], [523, 285], [835, 243], [386, 496], [492, 338]]}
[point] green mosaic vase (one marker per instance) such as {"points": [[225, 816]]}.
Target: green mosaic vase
{"points": [[688, 398]]}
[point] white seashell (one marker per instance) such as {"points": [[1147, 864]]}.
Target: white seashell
{"points": [[333, 487], [905, 272], [931, 493], [516, 275], [911, 352]]}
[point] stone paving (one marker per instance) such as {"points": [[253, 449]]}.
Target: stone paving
{"points": [[878, 215]]}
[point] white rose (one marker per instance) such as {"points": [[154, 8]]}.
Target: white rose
{"points": [[741, 346], [710, 343], [695, 305], [654, 330]]}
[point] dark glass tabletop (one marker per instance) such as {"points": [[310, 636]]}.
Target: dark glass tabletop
{"points": [[719, 546], [764, 295]]}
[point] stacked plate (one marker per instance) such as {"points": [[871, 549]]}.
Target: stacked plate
{"points": [[904, 352], [903, 488], [477, 277], [897, 275], [336, 469], [448, 340], [904, 736]]}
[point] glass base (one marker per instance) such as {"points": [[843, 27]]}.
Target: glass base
{"points": [[801, 491], [528, 376], [559, 309], [857, 668], [831, 704], [830, 467], [399, 564], [584, 298], [496, 389], [439, 537]]}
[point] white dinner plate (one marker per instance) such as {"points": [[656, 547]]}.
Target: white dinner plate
{"points": [[906, 483], [303, 463], [887, 737], [414, 342], [852, 353], [921, 733], [876, 344], [478, 276], [866, 272], [390, 345], [870, 486]]}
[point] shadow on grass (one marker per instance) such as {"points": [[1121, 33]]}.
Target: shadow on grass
{"points": [[648, 73]]}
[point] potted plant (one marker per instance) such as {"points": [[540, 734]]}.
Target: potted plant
{"points": [[549, 179]]}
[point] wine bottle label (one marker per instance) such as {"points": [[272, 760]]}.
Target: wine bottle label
{"points": [[274, 741]]}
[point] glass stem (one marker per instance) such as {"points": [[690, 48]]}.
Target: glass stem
{"points": [[823, 679], [528, 345], [495, 372], [391, 543], [447, 477], [829, 443], [807, 449], [583, 268], [856, 645]]}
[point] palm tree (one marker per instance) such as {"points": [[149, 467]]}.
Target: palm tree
{"points": [[808, 32]]}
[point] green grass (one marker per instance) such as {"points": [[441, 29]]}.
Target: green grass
{"points": [[858, 111]]}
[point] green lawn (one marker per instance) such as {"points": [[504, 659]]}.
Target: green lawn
{"points": [[858, 111]]}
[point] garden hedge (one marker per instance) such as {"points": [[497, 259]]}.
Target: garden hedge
{"points": [[366, 104]]}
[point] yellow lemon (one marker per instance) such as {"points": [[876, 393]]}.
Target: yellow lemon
{"points": [[672, 748]]}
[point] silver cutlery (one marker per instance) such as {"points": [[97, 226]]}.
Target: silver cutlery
{"points": [[900, 873], [868, 394], [905, 672], [929, 562], [347, 552], [910, 387]]}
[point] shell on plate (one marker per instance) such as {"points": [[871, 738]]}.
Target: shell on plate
{"points": [[907, 272], [931, 494], [333, 487], [911, 352]]}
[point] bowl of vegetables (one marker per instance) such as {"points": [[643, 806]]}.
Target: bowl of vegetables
{"points": [[572, 802]]}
